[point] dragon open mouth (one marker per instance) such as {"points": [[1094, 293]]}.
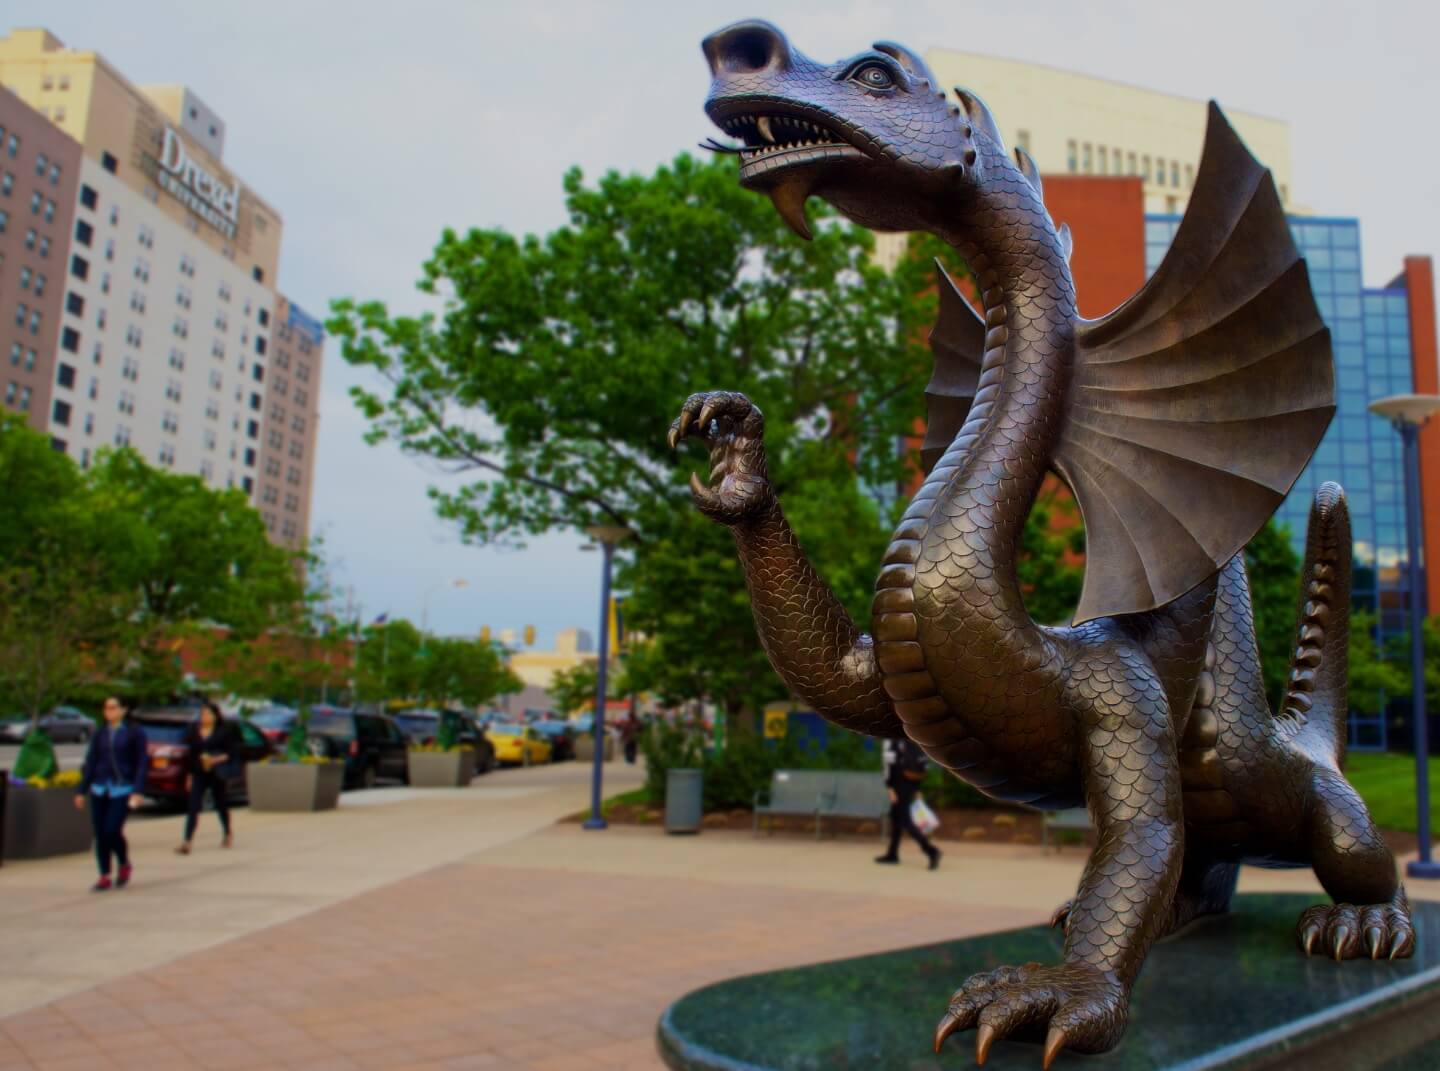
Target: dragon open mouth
{"points": [[776, 145]]}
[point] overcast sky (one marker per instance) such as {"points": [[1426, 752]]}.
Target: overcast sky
{"points": [[372, 126]]}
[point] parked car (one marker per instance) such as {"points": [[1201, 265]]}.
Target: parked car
{"points": [[561, 736], [165, 741], [517, 744], [275, 722], [372, 745], [64, 725], [423, 727]]}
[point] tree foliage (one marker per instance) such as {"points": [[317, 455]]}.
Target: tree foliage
{"points": [[105, 570], [395, 661], [1274, 570]]}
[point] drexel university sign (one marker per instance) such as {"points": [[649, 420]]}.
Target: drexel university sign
{"points": [[187, 181]]}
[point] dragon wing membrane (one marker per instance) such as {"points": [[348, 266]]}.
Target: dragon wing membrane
{"points": [[957, 342], [1195, 406]]}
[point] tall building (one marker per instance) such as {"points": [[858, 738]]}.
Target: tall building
{"points": [[1076, 124], [39, 174], [173, 338]]}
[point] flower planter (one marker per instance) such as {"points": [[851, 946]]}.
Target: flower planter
{"points": [[441, 769], [41, 822], [294, 786]]}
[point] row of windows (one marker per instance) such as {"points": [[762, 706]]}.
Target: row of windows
{"points": [[34, 240], [1088, 159]]}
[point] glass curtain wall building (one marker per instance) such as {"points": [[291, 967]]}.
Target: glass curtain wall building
{"points": [[1370, 332]]}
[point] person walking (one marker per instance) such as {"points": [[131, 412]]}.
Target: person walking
{"points": [[630, 738], [112, 780], [905, 766], [210, 747]]}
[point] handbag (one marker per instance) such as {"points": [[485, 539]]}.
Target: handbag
{"points": [[926, 820]]}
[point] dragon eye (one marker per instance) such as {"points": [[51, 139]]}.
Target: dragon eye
{"points": [[873, 76]]}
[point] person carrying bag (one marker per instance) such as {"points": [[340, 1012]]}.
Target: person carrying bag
{"points": [[905, 766]]}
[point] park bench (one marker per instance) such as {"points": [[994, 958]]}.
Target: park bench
{"points": [[858, 795], [821, 794], [794, 792], [1071, 820]]}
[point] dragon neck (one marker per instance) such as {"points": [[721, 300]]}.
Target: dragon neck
{"points": [[949, 583]]}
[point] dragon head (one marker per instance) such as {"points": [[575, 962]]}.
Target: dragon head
{"points": [[872, 134]]}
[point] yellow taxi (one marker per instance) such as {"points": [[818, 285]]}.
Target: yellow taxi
{"points": [[517, 745]]}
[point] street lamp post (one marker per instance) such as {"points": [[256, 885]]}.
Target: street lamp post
{"points": [[607, 535], [1408, 413]]}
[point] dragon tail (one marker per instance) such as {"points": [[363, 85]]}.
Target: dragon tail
{"points": [[1316, 696]]}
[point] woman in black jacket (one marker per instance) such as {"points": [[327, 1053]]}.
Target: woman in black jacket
{"points": [[210, 748], [113, 780], [904, 770]]}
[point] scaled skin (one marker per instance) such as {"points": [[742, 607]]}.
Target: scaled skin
{"points": [[1156, 720]]}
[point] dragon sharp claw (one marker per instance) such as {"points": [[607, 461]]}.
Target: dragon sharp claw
{"points": [[984, 1038], [1054, 1042], [949, 1023]]}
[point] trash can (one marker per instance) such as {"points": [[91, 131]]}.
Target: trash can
{"points": [[684, 800]]}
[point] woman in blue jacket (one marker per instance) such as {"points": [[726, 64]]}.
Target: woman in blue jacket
{"points": [[113, 779]]}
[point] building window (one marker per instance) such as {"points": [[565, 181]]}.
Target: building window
{"points": [[252, 429], [109, 163], [74, 304], [89, 425], [25, 276], [1174, 174], [79, 267], [39, 283], [250, 457], [248, 484], [13, 145], [41, 163], [25, 399], [181, 327], [177, 359], [88, 197], [1189, 174], [60, 413], [264, 317], [260, 344], [258, 372], [1145, 168], [65, 375], [4, 220], [83, 232], [255, 402], [1159, 171], [20, 313], [30, 235], [34, 321], [1104, 160]]}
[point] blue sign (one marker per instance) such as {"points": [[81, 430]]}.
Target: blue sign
{"points": [[300, 320]]}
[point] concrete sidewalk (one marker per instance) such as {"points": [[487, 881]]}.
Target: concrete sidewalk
{"points": [[56, 937], [469, 931]]}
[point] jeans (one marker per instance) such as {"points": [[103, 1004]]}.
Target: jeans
{"points": [[901, 822], [107, 816], [199, 783]]}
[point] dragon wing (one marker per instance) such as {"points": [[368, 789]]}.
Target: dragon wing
{"points": [[957, 342], [1195, 406]]}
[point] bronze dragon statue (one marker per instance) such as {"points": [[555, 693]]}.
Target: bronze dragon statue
{"points": [[1179, 421]]}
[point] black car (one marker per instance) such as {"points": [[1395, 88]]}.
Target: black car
{"points": [[372, 745], [165, 730], [64, 725], [423, 727], [561, 736]]}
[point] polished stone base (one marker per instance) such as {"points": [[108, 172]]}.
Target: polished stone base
{"points": [[1230, 992]]}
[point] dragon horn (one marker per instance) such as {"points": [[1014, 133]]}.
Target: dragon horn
{"points": [[979, 116]]}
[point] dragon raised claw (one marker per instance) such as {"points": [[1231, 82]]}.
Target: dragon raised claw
{"points": [[1179, 421]]}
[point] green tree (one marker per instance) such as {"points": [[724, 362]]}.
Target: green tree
{"points": [[1374, 676], [196, 557], [579, 347], [463, 670], [387, 661], [574, 688], [1274, 570]]}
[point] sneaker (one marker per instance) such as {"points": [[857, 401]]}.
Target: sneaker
{"points": [[103, 885], [887, 859], [123, 878], [935, 859]]}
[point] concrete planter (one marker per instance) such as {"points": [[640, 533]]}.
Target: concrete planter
{"points": [[585, 748], [441, 769], [41, 822], [294, 786]]}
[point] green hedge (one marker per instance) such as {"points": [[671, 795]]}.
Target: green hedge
{"points": [[747, 765]]}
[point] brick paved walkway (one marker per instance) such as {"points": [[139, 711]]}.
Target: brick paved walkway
{"points": [[468, 966]]}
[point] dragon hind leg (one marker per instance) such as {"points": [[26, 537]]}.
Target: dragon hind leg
{"points": [[1370, 917]]}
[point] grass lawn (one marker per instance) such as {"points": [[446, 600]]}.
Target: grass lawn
{"points": [[1386, 780]]}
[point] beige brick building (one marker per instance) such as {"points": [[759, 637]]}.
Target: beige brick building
{"points": [[172, 333]]}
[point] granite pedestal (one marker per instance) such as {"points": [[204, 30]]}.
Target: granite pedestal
{"points": [[1230, 992]]}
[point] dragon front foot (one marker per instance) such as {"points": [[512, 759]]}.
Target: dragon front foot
{"points": [[734, 429], [1358, 931], [1073, 1005]]}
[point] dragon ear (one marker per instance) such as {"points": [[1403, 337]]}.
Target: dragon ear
{"points": [[979, 116], [1067, 241], [1029, 170], [914, 66]]}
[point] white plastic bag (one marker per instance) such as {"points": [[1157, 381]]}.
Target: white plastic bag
{"points": [[924, 818]]}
